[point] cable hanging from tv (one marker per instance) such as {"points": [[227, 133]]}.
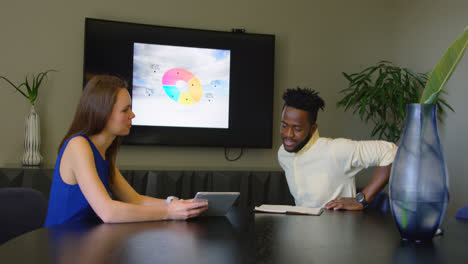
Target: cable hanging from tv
{"points": [[226, 154]]}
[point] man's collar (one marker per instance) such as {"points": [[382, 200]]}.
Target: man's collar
{"points": [[311, 142]]}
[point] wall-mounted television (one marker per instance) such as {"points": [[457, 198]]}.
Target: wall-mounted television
{"points": [[189, 87]]}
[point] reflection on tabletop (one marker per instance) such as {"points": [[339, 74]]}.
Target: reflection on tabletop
{"points": [[201, 240]]}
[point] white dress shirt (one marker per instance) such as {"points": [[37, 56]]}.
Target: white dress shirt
{"points": [[324, 169]]}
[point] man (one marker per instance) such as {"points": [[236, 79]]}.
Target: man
{"points": [[320, 171]]}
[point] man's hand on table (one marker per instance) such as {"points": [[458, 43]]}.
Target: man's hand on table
{"points": [[344, 204]]}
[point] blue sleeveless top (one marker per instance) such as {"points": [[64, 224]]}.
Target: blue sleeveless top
{"points": [[66, 202]]}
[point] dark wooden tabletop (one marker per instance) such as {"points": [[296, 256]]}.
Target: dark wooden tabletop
{"points": [[241, 237]]}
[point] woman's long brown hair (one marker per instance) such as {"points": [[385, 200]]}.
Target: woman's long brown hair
{"points": [[94, 110]]}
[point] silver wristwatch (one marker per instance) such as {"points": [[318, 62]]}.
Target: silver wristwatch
{"points": [[361, 198], [170, 198]]}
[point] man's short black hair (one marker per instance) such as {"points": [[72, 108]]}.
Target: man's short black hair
{"points": [[304, 99]]}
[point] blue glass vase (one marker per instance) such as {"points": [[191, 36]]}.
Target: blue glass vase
{"points": [[419, 192]]}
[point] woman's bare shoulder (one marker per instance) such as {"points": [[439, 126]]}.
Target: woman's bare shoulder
{"points": [[78, 142], [76, 156], [78, 148]]}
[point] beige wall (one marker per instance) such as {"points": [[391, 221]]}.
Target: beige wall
{"points": [[315, 42]]}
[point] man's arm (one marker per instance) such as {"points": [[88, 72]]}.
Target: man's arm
{"points": [[376, 184]]}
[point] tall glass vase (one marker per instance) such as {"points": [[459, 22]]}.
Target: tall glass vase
{"points": [[32, 139], [419, 185]]}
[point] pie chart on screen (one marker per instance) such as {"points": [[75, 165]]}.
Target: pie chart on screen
{"points": [[182, 86]]}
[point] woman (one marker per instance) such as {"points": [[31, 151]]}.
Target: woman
{"points": [[85, 171]]}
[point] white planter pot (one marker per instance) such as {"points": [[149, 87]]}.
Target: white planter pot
{"points": [[32, 139]]}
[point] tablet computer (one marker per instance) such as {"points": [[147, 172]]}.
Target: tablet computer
{"points": [[219, 203]]}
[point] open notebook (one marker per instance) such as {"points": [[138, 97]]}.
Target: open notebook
{"points": [[288, 209]]}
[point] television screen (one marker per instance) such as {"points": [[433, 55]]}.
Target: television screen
{"points": [[182, 83], [189, 87]]}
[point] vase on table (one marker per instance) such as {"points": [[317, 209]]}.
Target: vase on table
{"points": [[419, 185], [32, 139]]}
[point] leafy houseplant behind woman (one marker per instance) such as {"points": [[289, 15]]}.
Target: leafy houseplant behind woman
{"points": [[32, 140]]}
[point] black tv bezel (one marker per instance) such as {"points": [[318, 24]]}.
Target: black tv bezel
{"points": [[109, 50]]}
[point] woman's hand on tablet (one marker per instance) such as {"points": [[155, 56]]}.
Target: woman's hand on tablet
{"points": [[185, 209]]}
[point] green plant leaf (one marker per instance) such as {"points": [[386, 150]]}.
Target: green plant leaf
{"points": [[417, 77], [444, 69], [382, 130], [363, 108], [383, 62], [443, 102], [376, 129], [401, 107], [381, 79], [28, 87], [18, 88], [41, 76], [349, 78], [359, 79], [32, 87]]}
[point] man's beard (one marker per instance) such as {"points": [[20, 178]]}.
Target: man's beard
{"points": [[302, 144]]}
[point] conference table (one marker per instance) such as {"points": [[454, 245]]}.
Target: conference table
{"points": [[241, 237]]}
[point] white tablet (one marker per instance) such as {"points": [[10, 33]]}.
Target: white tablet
{"points": [[219, 203]]}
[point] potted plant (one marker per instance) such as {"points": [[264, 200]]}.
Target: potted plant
{"points": [[419, 192], [380, 94], [30, 89]]}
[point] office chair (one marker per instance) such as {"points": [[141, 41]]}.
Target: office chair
{"points": [[462, 213], [22, 210], [381, 202]]}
